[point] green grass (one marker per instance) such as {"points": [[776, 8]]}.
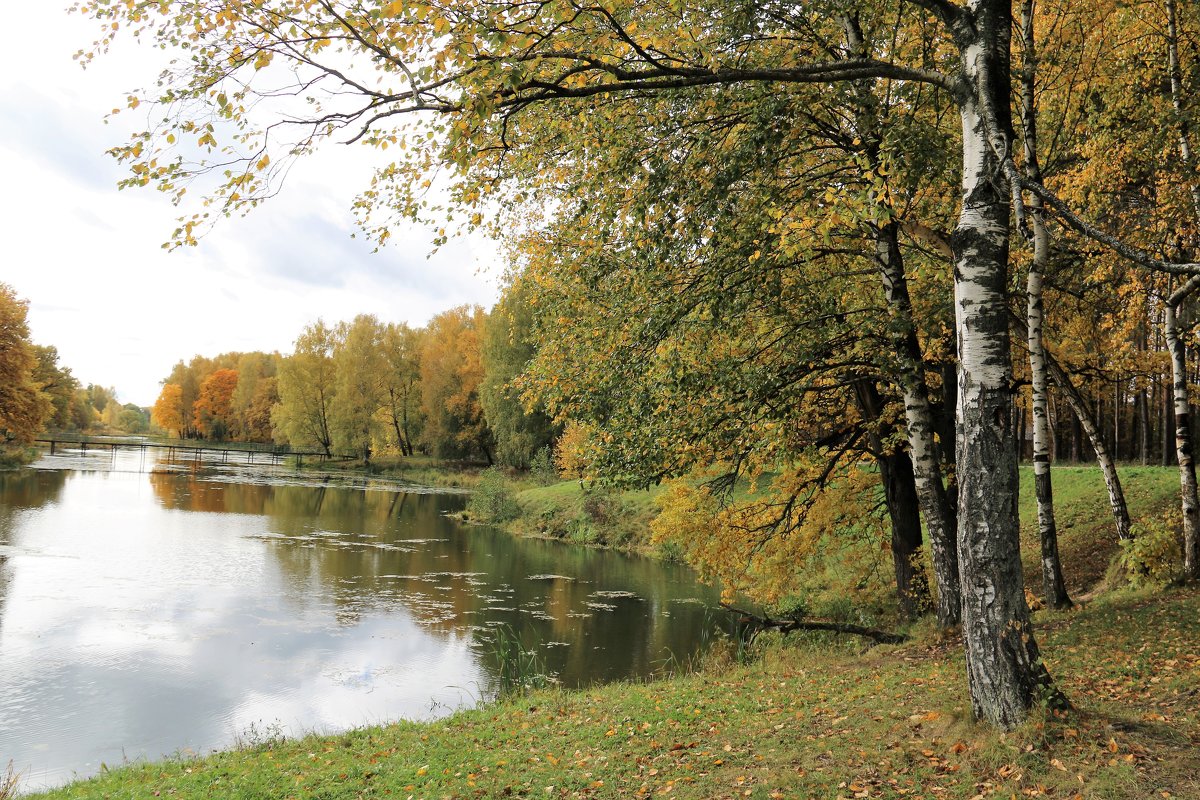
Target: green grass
{"points": [[417, 470], [1087, 537], [812, 718], [590, 515]]}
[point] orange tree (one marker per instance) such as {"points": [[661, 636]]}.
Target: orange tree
{"points": [[24, 407]]}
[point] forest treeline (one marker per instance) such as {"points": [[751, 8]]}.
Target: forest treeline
{"points": [[772, 246], [364, 387], [37, 392]]}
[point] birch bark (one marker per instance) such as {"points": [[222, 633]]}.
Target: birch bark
{"points": [[1054, 587], [918, 413], [1004, 667], [1184, 446]]}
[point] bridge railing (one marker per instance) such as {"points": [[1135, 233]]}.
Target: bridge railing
{"points": [[72, 437]]}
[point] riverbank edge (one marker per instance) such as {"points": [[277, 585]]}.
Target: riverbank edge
{"points": [[15, 458], [585, 514], [809, 716], [592, 515]]}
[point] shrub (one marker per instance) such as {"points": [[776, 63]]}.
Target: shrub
{"points": [[493, 499], [541, 467], [1152, 556]]}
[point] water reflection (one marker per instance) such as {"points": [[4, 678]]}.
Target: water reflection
{"points": [[148, 612], [20, 492], [363, 552]]}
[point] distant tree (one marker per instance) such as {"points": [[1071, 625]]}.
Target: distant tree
{"points": [[169, 411], [401, 346], [212, 413], [508, 345], [252, 369], [359, 369], [83, 416], [24, 407], [100, 396], [132, 418], [187, 377], [307, 384], [110, 419], [451, 371], [256, 417], [58, 383]]}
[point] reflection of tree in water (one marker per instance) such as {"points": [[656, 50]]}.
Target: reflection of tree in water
{"points": [[20, 491], [366, 552], [28, 488]]}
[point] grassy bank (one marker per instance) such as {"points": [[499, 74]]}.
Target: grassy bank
{"points": [[1087, 539], [811, 718], [594, 516], [17, 457], [417, 470]]}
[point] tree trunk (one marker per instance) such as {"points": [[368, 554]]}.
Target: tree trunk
{"points": [[1117, 405], [1108, 468], [1168, 426], [1077, 441], [1143, 403], [1183, 438], [919, 472], [1178, 349], [918, 414], [408, 447], [1054, 587], [900, 491], [396, 424], [900, 494], [1005, 672]]}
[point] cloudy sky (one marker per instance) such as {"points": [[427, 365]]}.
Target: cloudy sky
{"points": [[122, 310]]}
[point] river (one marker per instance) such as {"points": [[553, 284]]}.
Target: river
{"points": [[150, 609]]}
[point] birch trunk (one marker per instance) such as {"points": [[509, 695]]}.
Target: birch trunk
{"points": [[1108, 468], [918, 414], [1054, 587], [921, 467], [903, 506], [1005, 672], [1184, 450], [1178, 349]]}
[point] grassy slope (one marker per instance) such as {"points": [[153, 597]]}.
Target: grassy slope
{"points": [[565, 511], [1087, 538]]}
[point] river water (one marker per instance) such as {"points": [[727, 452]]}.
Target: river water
{"points": [[150, 609]]}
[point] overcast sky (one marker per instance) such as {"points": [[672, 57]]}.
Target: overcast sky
{"points": [[119, 308]]}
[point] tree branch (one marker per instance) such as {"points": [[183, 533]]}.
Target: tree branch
{"points": [[1126, 251], [788, 625]]}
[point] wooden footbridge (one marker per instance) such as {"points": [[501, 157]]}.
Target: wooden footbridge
{"points": [[186, 449]]}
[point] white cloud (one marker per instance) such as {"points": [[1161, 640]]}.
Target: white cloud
{"points": [[122, 310]]}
